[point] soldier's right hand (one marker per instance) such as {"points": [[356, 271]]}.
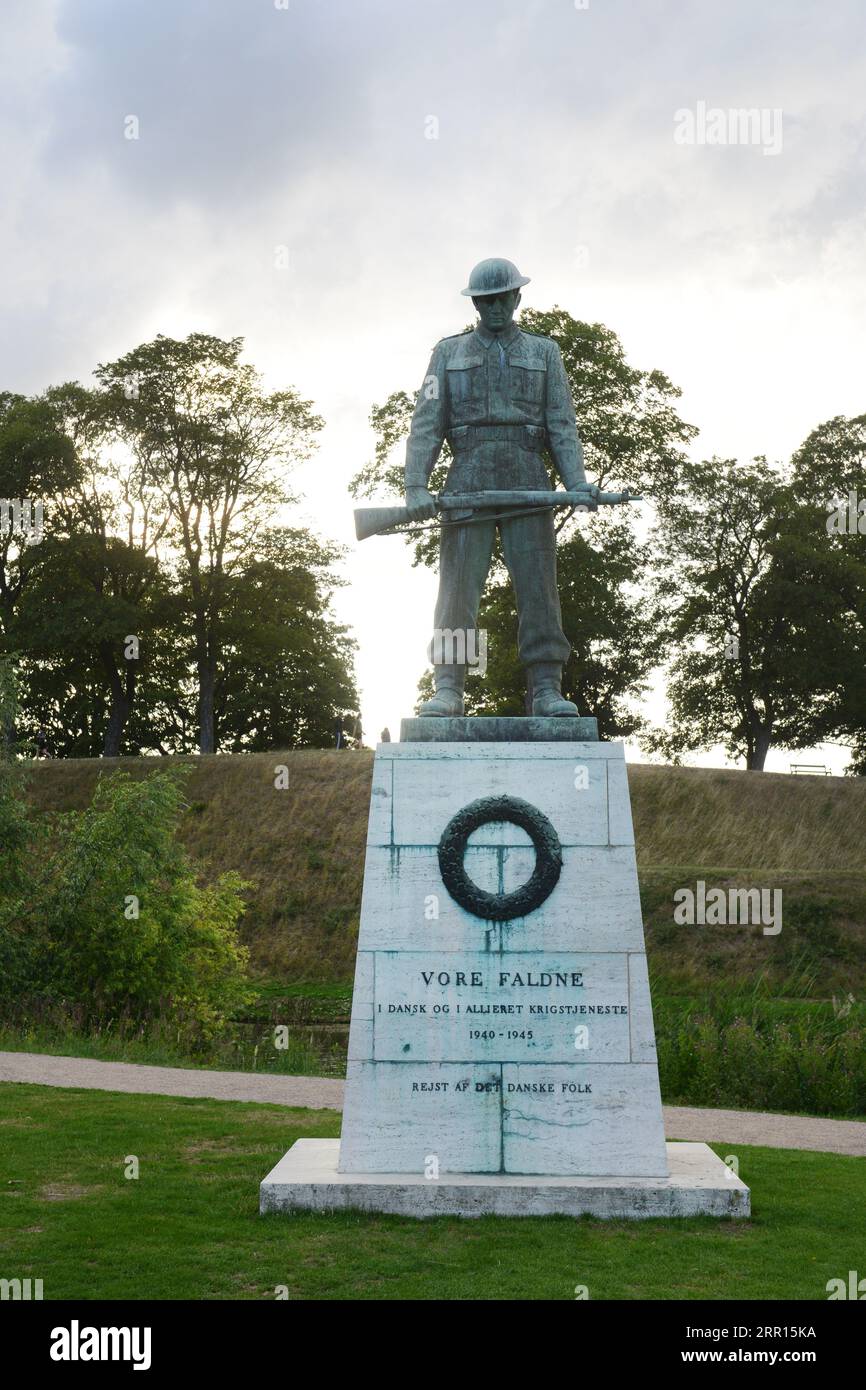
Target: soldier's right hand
{"points": [[420, 504]]}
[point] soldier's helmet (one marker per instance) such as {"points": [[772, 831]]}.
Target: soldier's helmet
{"points": [[494, 276]]}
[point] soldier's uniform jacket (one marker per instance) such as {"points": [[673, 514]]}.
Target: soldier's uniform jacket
{"points": [[499, 400]]}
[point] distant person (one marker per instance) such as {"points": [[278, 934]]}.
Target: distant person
{"points": [[357, 733], [385, 736], [41, 743], [338, 733]]}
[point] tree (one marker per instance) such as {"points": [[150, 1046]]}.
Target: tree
{"points": [[94, 587], [627, 418], [831, 463], [214, 446], [111, 600], [751, 610], [829, 482], [38, 463], [164, 717], [287, 669], [632, 437], [15, 818]]}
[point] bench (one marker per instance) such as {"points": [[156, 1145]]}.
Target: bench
{"points": [[810, 769]]}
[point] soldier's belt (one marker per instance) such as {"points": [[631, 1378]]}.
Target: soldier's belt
{"points": [[464, 437]]}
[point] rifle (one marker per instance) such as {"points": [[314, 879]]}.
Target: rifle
{"points": [[375, 521]]}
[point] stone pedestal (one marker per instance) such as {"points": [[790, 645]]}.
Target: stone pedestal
{"points": [[501, 1054], [698, 1184]]}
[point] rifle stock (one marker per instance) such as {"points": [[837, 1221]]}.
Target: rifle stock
{"points": [[371, 521]]}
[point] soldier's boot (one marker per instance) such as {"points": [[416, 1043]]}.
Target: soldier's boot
{"points": [[548, 700], [447, 703]]}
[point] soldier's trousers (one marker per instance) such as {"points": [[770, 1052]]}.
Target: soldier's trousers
{"points": [[529, 550]]}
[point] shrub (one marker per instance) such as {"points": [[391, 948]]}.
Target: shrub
{"points": [[112, 916], [813, 1064]]}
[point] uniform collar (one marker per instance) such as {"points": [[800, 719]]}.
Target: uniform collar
{"points": [[488, 339]]}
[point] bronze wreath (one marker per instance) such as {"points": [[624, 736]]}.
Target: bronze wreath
{"points": [[500, 907]]}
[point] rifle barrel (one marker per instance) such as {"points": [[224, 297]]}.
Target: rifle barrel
{"points": [[374, 521]]}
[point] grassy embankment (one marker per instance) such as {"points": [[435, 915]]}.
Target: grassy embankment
{"points": [[742, 1018]]}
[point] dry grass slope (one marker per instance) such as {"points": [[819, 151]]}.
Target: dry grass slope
{"points": [[748, 821]]}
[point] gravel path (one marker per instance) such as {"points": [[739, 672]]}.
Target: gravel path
{"points": [[313, 1092], [326, 1093], [761, 1127]]}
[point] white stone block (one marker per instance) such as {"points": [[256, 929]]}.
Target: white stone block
{"points": [[643, 1037], [698, 1184], [379, 823], [361, 1028], [403, 1117], [523, 1007], [584, 1121], [619, 820], [428, 793], [500, 752], [594, 907]]}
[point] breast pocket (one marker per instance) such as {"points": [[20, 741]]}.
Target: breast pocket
{"points": [[528, 382], [466, 391]]}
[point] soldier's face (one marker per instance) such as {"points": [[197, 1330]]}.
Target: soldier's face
{"points": [[497, 310]]}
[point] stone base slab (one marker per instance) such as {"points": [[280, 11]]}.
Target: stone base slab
{"points": [[534, 729], [698, 1184]]}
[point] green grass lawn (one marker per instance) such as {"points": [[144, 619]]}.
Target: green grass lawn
{"points": [[189, 1226]]}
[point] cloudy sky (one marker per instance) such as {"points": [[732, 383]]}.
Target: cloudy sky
{"points": [[306, 124]]}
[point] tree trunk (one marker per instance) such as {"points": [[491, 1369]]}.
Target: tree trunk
{"points": [[120, 710], [122, 689], [206, 684], [760, 747]]}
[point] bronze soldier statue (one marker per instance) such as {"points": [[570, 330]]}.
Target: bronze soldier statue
{"points": [[500, 396]]}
